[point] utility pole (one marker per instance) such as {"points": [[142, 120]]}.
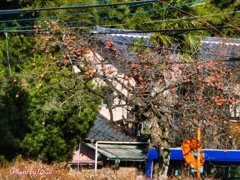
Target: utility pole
{"points": [[9, 67]]}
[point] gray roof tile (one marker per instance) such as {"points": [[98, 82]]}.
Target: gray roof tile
{"points": [[102, 130], [121, 39], [212, 47]]}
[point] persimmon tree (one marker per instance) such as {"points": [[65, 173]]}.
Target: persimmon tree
{"points": [[170, 96]]}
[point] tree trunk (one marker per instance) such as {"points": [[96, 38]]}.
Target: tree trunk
{"points": [[160, 140], [164, 154]]}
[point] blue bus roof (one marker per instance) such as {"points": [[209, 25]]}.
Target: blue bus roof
{"points": [[210, 155]]}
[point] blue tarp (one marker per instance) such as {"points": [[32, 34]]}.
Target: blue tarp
{"points": [[216, 155], [151, 155]]}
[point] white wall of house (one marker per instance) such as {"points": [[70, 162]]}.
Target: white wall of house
{"points": [[120, 111], [235, 108]]}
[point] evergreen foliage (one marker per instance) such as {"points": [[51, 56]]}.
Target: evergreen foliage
{"points": [[61, 112], [13, 113], [43, 113]]}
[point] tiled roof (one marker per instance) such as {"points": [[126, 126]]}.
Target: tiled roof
{"points": [[215, 47], [121, 39], [102, 130]]}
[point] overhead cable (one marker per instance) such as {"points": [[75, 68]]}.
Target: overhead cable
{"points": [[71, 7], [72, 14], [13, 12], [112, 17]]}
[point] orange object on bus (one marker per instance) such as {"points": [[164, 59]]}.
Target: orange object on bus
{"points": [[193, 153]]}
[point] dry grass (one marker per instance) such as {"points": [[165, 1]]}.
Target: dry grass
{"points": [[35, 170]]}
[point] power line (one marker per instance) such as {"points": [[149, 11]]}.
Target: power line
{"points": [[206, 22], [13, 12], [94, 2], [169, 20], [190, 18], [143, 3], [72, 14], [122, 15], [71, 7], [168, 30]]}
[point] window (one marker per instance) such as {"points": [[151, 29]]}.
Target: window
{"points": [[235, 111]]}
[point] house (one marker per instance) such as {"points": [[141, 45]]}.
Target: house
{"points": [[108, 146], [119, 143], [111, 46]]}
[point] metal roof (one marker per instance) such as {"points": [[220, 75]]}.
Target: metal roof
{"points": [[121, 39], [124, 152], [218, 47]]}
